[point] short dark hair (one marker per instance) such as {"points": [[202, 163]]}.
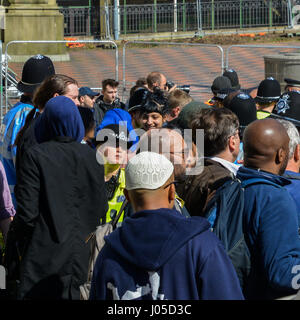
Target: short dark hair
{"points": [[87, 117], [141, 82], [156, 101], [109, 82], [153, 77], [218, 125]]}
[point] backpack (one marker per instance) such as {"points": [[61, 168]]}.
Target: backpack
{"points": [[225, 214], [97, 242]]}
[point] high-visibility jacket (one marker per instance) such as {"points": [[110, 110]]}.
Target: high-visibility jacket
{"points": [[114, 205]]}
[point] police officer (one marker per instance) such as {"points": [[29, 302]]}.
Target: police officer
{"points": [[268, 93], [292, 85]]}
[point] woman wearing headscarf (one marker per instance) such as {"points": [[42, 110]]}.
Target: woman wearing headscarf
{"points": [[52, 86], [61, 199]]}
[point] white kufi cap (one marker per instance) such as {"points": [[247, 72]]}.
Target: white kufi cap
{"points": [[147, 170]]}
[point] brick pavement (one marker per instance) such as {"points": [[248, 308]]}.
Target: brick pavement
{"points": [[193, 65]]}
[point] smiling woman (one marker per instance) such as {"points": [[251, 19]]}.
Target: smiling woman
{"points": [[154, 111]]}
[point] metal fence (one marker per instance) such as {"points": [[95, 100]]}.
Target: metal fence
{"points": [[249, 61], [82, 21], [183, 16], [196, 65], [183, 63], [89, 70]]}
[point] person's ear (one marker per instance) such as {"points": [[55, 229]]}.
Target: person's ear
{"points": [[172, 193], [232, 143], [55, 95], [176, 111], [280, 156], [297, 153], [81, 99]]}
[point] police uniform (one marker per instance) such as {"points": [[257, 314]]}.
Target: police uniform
{"points": [[292, 83], [116, 198], [268, 91], [261, 114], [288, 107]]}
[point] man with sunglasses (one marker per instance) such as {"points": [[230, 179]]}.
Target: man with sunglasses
{"points": [[87, 97], [158, 254], [169, 141]]}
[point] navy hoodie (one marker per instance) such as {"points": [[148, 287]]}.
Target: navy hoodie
{"points": [[271, 227], [159, 254]]}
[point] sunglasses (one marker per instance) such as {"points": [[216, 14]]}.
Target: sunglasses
{"points": [[173, 182]]}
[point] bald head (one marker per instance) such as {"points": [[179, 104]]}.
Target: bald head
{"points": [[266, 146], [171, 144]]}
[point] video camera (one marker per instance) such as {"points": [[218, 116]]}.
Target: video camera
{"points": [[185, 87]]}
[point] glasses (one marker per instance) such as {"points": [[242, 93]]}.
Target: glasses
{"points": [[174, 182]]}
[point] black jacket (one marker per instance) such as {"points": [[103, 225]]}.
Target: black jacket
{"points": [[61, 198], [26, 141], [102, 107]]}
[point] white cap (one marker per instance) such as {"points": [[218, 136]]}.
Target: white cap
{"points": [[147, 170]]}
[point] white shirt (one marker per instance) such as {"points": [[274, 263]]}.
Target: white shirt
{"points": [[228, 165]]}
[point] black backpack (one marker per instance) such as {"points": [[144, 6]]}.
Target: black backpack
{"points": [[225, 214]]}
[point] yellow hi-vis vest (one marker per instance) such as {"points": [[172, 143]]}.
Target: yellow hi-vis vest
{"points": [[114, 205], [260, 114]]}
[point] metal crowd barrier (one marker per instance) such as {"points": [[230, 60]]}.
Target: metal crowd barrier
{"points": [[253, 61], [5, 61], [218, 68], [242, 62]]}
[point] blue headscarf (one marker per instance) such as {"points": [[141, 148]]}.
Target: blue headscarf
{"points": [[59, 118]]}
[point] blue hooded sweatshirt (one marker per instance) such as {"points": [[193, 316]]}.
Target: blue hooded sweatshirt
{"points": [[159, 254], [294, 188], [61, 118], [271, 229]]}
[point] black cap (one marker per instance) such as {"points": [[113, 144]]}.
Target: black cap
{"points": [[233, 77], [220, 83], [222, 94], [35, 70], [268, 90], [243, 105], [292, 82], [117, 133], [288, 105], [138, 98]]}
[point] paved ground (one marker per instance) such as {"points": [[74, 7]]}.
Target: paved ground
{"points": [[196, 65]]}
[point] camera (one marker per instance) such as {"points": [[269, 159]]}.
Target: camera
{"points": [[185, 87]]}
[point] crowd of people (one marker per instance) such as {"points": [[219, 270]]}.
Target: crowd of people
{"points": [[73, 159]]}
